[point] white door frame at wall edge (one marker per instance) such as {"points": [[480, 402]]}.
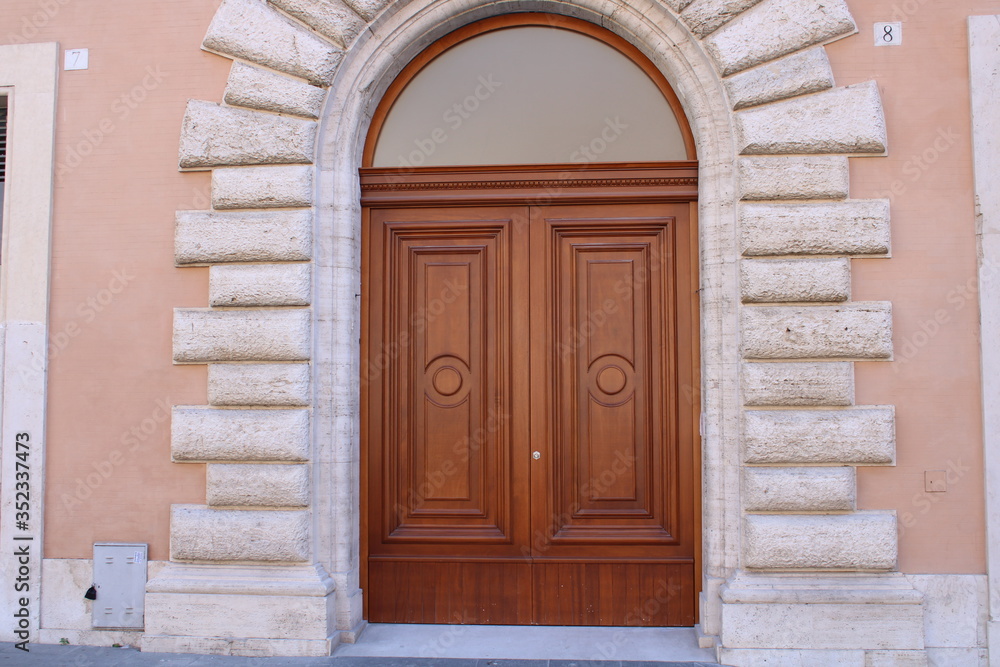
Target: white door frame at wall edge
{"points": [[754, 127], [28, 75], [984, 58]]}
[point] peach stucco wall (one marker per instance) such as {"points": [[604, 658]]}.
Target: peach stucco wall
{"points": [[114, 284], [934, 381], [113, 278]]}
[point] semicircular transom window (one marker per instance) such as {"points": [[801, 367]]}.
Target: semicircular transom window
{"points": [[530, 95]]}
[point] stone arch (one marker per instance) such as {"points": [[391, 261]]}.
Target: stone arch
{"points": [[781, 435]]}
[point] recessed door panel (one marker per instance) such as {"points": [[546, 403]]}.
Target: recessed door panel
{"points": [[452, 389], [445, 462], [610, 327]]}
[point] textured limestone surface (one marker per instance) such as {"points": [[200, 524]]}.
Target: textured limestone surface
{"points": [[259, 384], [206, 434], [202, 237], [860, 541], [824, 626], [797, 384], [794, 177], [257, 485], [368, 9], [257, 88], [707, 16], [262, 187], [863, 435], [777, 27], [254, 31], [860, 330], [332, 18], [260, 285], [204, 534], [811, 489], [241, 335], [853, 227], [236, 624], [216, 136], [788, 280], [842, 120], [791, 76]]}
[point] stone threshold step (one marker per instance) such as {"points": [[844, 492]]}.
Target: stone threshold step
{"points": [[48, 655]]}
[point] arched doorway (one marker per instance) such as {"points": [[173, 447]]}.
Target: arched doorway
{"points": [[529, 335], [751, 122]]}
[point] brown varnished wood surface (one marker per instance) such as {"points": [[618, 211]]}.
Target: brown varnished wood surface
{"points": [[445, 456], [491, 332], [461, 593], [537, 185], [617, 594], [606, 412]]}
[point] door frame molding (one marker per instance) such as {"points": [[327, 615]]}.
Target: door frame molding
{"points": [[371, 66], [535, 185]]}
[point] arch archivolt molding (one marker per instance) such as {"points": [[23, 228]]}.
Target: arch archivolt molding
{"points": [[781, 437]]}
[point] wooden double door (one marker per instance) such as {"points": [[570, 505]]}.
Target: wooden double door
{"points": [[529, 439]]}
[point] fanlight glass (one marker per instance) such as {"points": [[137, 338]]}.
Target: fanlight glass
{"points": [[529, 95]]}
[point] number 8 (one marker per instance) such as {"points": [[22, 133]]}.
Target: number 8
{"points": [[888, 36]]}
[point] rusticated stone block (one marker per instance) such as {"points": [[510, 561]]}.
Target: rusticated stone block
{"points": [[258, 384], [864, 435], [817, 619], [204, 534], [254, 31], [257, 485], [842, 120], [797, 384], [862, 541], [791, 76], [794, 177], [677, 5], [812, 489], [328, 17], [202, 237], [860, 330], [706, 16], [202, 335], [788, 280], [262, 187], [215, 136], [367, 9], [207, 434], [777, 27], [257, 88], [238, 623], [260, 285], [853, 227]]}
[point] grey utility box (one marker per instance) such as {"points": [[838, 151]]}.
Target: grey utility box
{"points": [[120, 580]]}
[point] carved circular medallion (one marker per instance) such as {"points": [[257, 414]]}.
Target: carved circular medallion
{"points": [[447, 381], [611, 380]]}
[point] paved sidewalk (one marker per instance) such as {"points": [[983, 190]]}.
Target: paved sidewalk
{"points": [[47, 655]]}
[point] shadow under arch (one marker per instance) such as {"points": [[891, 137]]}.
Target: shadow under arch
{"points": [[368, 69]]}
